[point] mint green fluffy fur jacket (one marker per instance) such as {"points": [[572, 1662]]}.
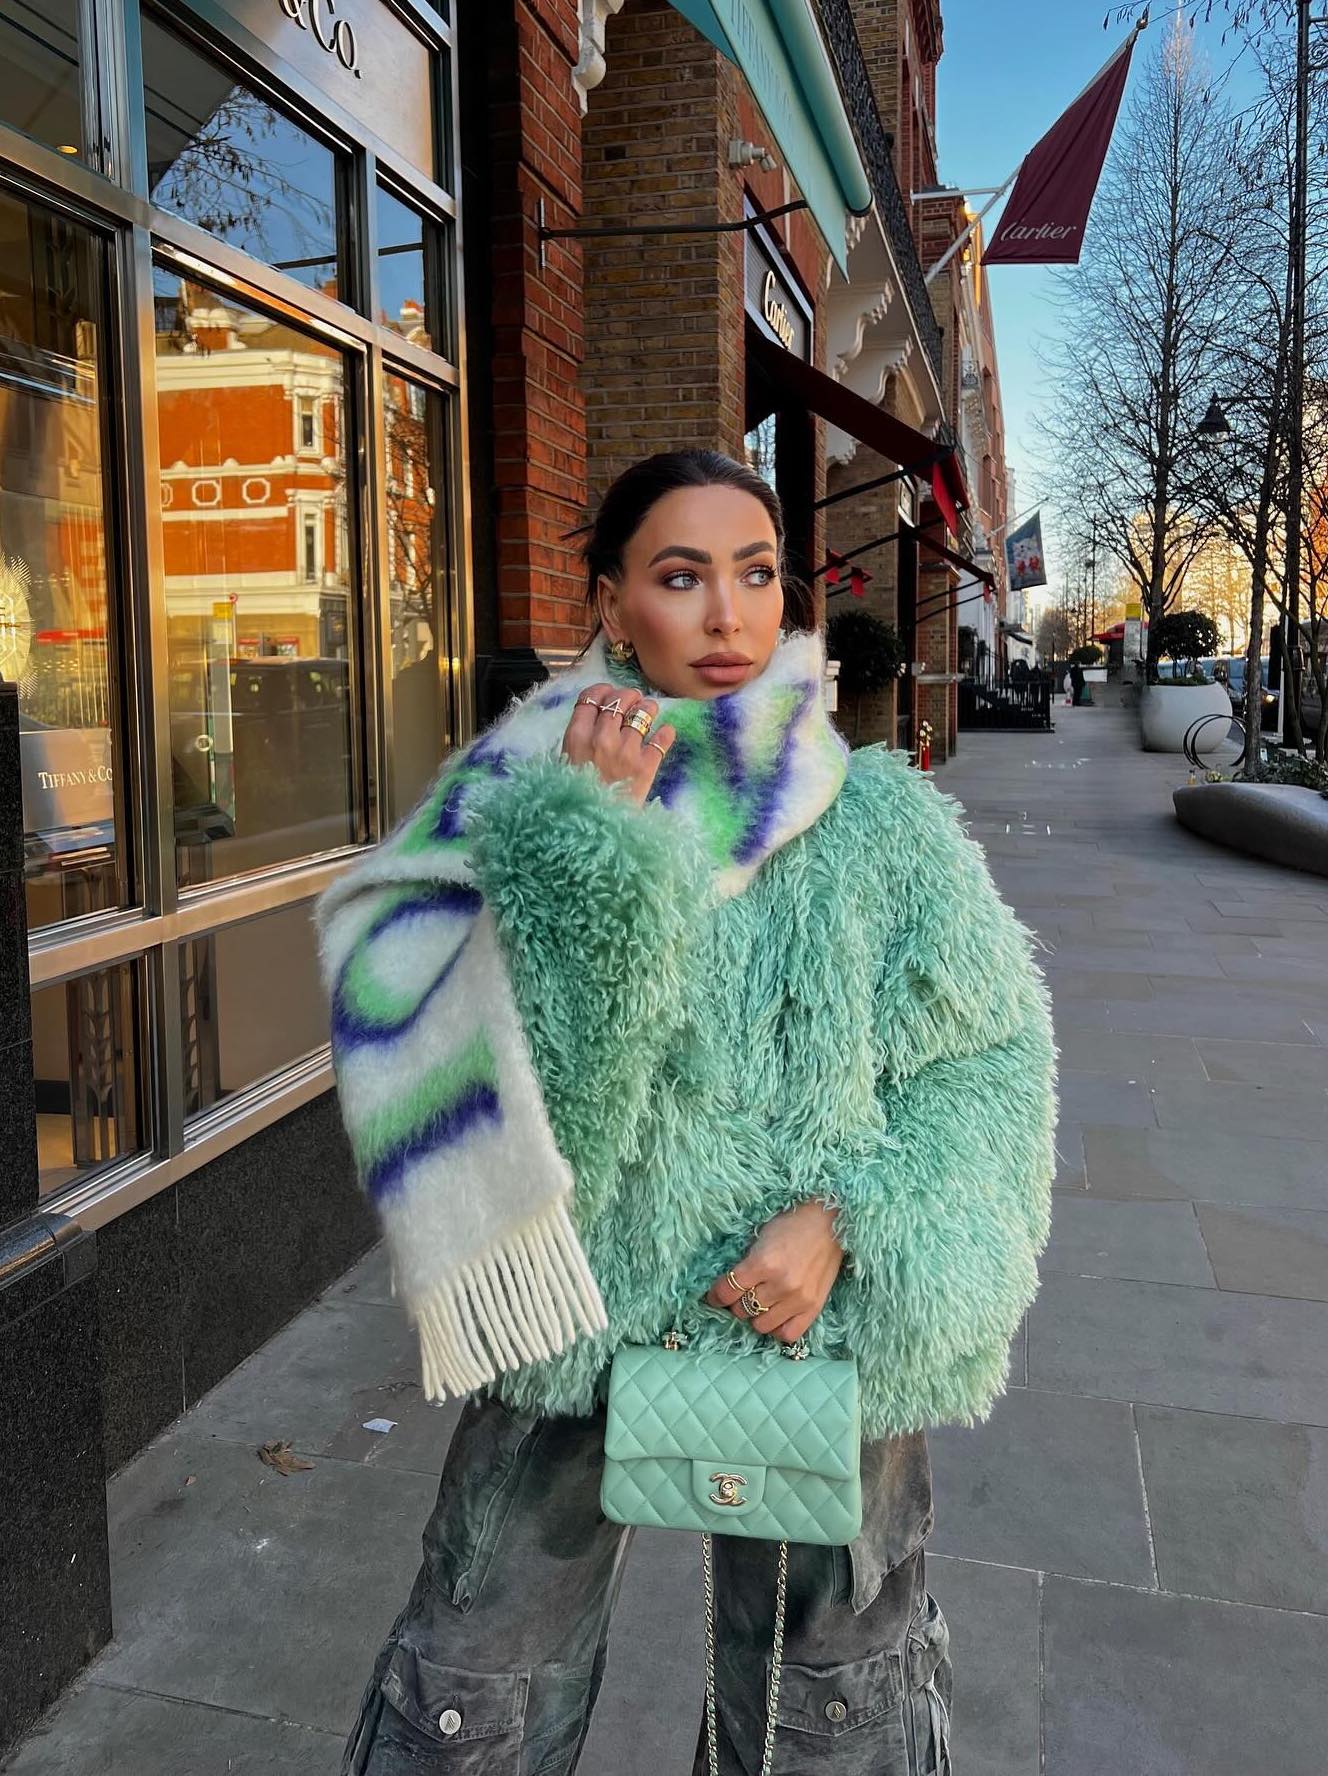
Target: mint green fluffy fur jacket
{"points": [[865, 1024]]}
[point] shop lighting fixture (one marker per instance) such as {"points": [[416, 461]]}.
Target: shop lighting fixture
{"points": [[743, 154]]}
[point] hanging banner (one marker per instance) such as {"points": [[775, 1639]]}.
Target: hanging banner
{"points": [[1024, 561], [1044, 221]]}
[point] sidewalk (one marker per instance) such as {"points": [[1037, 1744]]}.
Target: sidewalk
{"points": [[1132, 1553]]}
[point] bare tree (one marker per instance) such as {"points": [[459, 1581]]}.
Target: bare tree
{"points": [[1139, 318], [1315, 558]]}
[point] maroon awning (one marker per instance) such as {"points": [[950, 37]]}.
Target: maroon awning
{"points": [[870, 425]]}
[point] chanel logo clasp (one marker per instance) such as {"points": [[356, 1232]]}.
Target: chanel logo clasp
{"points": [[726, 1489]]}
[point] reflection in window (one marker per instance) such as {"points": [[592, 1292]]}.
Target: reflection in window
{"points": [[410, 296], [86, 1035], [53, 576], [258, 598], [40, 85], [759, 448], [223, 157], [232, 984], [416, 554]]}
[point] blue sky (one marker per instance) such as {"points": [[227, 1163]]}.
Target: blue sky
{"points": [[1006, 74]]}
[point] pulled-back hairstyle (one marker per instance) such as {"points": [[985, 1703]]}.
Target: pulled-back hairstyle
{"points": [[623, 509]]}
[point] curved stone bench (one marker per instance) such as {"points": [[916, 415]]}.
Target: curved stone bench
{"points": [[1278, 821]]}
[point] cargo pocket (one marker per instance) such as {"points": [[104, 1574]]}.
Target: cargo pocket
{"points": [[438, 1718], [930, 1690], [845, 1718]]}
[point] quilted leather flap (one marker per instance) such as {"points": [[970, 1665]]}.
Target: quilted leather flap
{"points": [[763, 1410]]}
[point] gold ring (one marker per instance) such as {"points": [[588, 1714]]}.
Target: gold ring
{"points": [[588, 703], [733, 1282], [663, 751], [613, 707], [640, 719], [751, 1301]]}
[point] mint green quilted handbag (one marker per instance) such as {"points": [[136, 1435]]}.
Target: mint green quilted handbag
{"points": [[763, 1445]]}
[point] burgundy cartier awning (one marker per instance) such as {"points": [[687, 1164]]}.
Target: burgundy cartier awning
{"points": [[870, 425]]}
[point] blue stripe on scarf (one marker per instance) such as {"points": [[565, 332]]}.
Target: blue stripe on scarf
{"points": [[449, 1124], [350, 1029], [771, 791]]}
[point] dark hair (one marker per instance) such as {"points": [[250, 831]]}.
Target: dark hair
{"points": [[623, 510]]}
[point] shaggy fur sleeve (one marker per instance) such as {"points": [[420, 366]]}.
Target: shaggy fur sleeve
{"points": [[944, 1215], [595, 900]]}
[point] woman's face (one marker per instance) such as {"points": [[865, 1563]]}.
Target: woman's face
{"points": [[699, 597]]}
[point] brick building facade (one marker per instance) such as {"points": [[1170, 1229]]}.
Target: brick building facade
{"points": [[608, 347]]}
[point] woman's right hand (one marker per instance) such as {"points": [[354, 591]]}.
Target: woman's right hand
{"points": [[619, 753]]}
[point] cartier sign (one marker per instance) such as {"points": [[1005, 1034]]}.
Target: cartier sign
{"points": [[776, 312], [773, 299], [335, 35]]}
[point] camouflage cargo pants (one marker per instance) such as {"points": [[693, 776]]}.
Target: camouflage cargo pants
{"points": [[494, 1664]]}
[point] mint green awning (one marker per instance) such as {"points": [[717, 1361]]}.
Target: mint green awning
{"points": [[780, 52]]}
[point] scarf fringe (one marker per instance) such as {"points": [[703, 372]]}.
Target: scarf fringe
{"points": [[528, 1298]]}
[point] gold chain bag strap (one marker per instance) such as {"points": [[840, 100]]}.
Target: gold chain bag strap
{"points": [[764, 1444]]}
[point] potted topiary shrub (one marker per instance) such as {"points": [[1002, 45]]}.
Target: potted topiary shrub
{"points": [[1176, 693], [870, 655]]}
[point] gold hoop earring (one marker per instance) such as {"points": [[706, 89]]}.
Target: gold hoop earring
{"points": [[622, 653]]}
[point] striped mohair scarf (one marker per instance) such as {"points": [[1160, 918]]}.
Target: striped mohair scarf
{"points": [[438, 1091]]}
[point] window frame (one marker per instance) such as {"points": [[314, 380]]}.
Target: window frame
{"points": [[111, 199]]}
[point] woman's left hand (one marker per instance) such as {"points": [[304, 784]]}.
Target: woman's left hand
{"points": [[791, 1267]]}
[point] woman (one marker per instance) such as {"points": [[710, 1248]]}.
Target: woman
{"points": [[662, 1010]]}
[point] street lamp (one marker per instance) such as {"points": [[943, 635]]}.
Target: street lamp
{"points": [[1214, 427]]}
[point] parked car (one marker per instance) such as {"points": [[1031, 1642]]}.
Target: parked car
{"points": [[1168, 669], [1235, 683]]}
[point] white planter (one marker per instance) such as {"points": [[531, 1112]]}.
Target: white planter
{"points": [[1166, 712]]}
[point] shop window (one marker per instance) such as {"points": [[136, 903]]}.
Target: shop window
{"points": [[411, 294], [86, 1037], [413, 428], [230, 982], [226, 158], [40, 75], [261, 734], [54, 584]]}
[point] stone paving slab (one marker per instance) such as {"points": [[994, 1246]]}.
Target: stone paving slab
{"points": [[254, 1591], [1050, 1482], [1253, 1355], [1211, 1165], [1238, 1507], [336, 1367], [1263, 1063], [1268, 1251], [1143, 1242], [100, 1731], [1149, 1684]]}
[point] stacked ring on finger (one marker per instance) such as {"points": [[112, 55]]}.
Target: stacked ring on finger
{"points": [[640, 720], [753, 1306], [588, 703]]}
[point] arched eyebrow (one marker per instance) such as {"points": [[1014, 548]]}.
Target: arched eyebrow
{"points": [[681, 551]]}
